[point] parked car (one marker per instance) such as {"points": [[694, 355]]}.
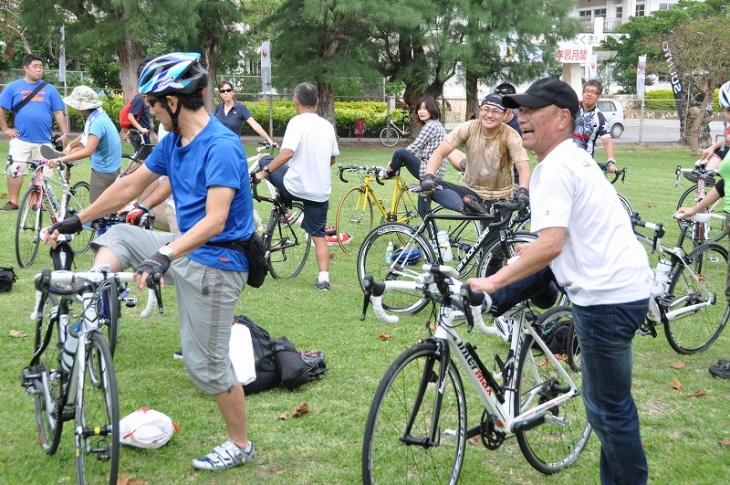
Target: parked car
{"points": [[613, 110]]}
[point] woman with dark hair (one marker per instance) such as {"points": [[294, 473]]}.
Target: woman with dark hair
{"points": [[232, 114], [415, 156]]}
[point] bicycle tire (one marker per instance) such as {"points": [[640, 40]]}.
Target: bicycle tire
{"points": [[389, 137], [80, 198], [371, 260], [406, 209], [49, 422], [97, 415], [287, 243], [549, 447], [626, 204], [696, 331], [385, 456], [28, 227], [555, 316], [355, 216], [493, 256], [716, 226], [110, 314]]}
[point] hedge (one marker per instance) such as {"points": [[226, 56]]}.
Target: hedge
{"points": [[663, 100]]}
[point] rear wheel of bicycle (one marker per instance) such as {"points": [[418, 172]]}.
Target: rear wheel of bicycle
{"points": [[354, 217], [498, 253], [97, 416], [80, 198], [408, 259], [712, 231], [556, 317], [389, 137], [288, 243], [556, 443], [28, 227], [406, 209], [695, 331], [393, 453], [49, 414]]}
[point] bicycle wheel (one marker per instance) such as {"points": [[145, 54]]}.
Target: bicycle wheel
{"points": [[495, 256], [712, 231], [49, 407], [626, 204], [556, 443], [394, 448], [462, 237], [406, 209], [97, 416], [132, 164], [288, 243], [695, 331], [354, 216], [110, 313], [28, 227], [554, 318], [80, 198], [406, 265], [389, 137]]}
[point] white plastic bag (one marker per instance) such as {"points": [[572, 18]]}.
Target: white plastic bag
{"points": [[241, 352], [146, 428]]}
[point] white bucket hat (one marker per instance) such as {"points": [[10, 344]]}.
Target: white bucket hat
{"points": [[83, 97]]}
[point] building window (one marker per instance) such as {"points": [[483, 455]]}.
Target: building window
{"points": [[619, 12], [639, 10], [584, 14], [665, 6], [599, 12]]}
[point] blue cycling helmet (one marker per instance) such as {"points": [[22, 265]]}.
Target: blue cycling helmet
{"points": [[176, 73], [407, 258]]}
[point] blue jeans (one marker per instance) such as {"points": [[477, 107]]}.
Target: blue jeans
{"points": [[404, 158], [539, 287], [605, 333]]}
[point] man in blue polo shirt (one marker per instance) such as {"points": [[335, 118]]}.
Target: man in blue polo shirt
{"points": [[32, 124]]}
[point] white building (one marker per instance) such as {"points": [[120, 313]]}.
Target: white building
{"points": [[616, 12]]}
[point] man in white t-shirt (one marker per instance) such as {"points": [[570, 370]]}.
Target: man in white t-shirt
{"points": [[595, 256], [301, 170]]}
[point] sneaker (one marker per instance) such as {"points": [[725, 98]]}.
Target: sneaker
{"points": [[10, 207], [178, 355], [334, 241], [322, 285], [504, 327], [226, 455]]}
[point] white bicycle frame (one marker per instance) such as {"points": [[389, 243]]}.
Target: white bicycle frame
{"points": [[655, 313], [253, 167], [449, 319]]}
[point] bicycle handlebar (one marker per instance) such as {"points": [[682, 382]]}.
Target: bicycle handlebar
{"points": [[658, 229], [438, 283], [692, 173], [361, 169], [618, 173]]}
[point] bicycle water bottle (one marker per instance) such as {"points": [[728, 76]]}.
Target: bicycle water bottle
{"points": [[62, 326], [52, 196], [661, 277], [69, 347], [389, 253], [445, 246]]}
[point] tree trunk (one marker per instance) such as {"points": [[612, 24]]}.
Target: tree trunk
{"points": [[326, 103], [471, 82], [130, 55]]}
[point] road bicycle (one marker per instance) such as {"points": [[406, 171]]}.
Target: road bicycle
{"points": [[41, 198], [714, 229], [134, 161], [688, 295], [416, 428], [287, 244], [355, 212], [392, 133], [613, 177], [391, 251], [72, 376]]}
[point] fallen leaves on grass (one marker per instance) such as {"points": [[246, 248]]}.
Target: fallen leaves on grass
{"points": [[129, 481], [677, 365], [474, 440], [676, 385], [725, 442], [283, 416], [384, 336], [4, 196], [699, 393], [17, 334], [301, 409]]}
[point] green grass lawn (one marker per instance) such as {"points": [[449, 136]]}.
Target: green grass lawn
{"points": [[683, 429]]}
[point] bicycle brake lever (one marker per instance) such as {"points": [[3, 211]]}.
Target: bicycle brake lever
{"points": [[158, 292], [367, 283]]}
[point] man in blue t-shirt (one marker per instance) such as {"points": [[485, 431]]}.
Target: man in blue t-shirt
{"points": [[206, 167], [32, 122]]}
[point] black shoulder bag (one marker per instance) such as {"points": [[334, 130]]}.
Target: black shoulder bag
{"points": [[255, 252], [27, 99]]}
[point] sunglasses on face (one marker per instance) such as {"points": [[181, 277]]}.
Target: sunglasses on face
{"points": [[226, 91], [503, 91]]}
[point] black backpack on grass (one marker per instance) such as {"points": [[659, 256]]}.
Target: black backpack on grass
{"points": [[277, 361]]}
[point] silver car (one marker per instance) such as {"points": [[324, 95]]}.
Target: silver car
{"points": [[613, 110]]}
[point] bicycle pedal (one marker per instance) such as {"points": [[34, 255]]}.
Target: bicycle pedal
{"points": [[27, 377], [130, 301]]}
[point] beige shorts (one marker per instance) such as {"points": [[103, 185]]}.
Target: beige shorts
{"points": [[21, 152]]}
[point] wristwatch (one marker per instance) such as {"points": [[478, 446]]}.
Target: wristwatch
{"points": [[166, 252], [267, 170]]}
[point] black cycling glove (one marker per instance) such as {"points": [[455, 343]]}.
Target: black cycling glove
{"points": [[523, 195], [155, 266], [72, 225], [428, 183]]}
